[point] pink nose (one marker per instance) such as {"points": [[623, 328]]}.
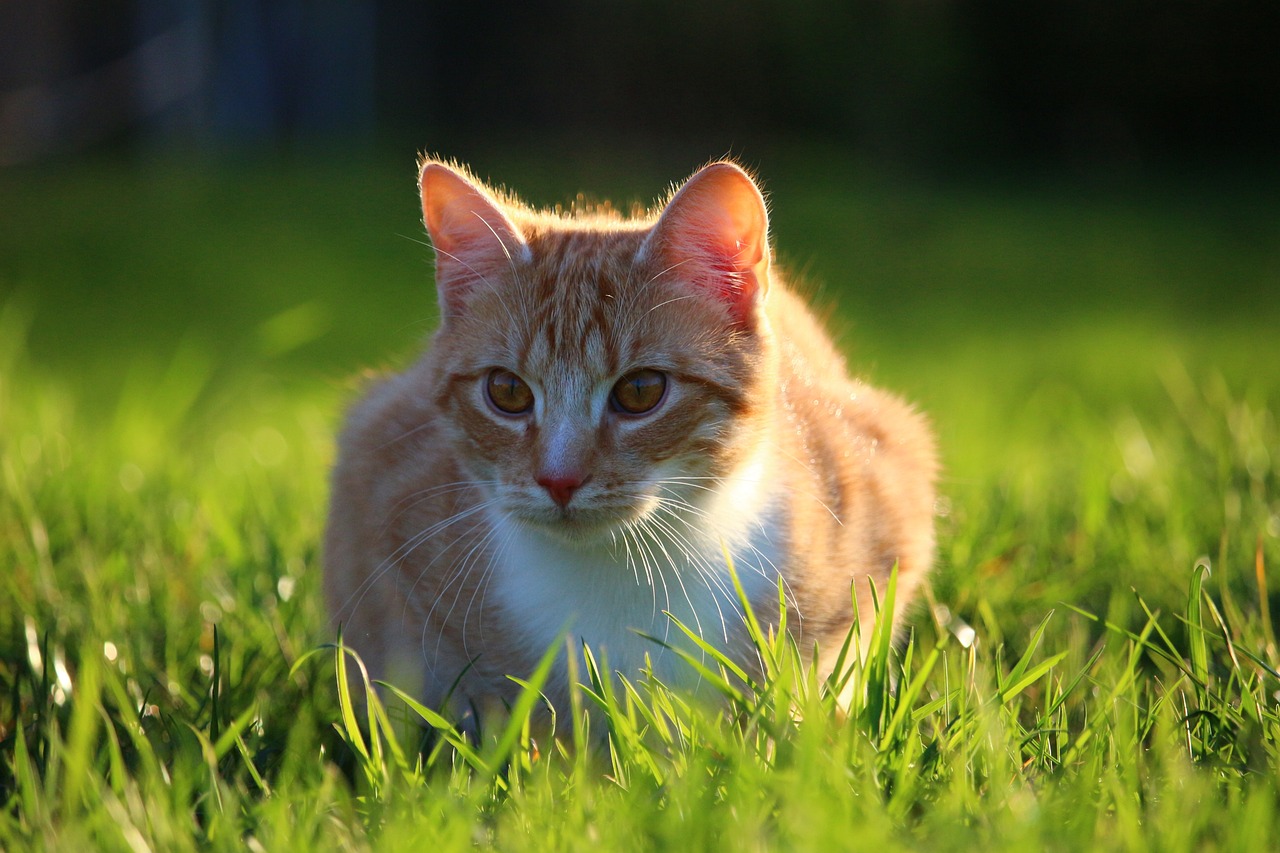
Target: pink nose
{"points": [[561, 486]]}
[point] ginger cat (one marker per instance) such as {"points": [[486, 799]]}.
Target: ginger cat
{"points": [[606, 405]]}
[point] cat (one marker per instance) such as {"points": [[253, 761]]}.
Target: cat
{"points": [[608, 408]]}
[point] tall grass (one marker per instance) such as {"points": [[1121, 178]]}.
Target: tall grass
{"points": [[1093, 666]]}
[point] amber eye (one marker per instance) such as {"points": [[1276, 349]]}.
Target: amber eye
{"points": [[509, 393], [639, 391]]}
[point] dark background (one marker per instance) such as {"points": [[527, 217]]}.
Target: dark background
{"points": [[236, 177], [924, 84]]}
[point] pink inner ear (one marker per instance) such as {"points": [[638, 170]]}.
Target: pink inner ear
{"points": [[474, 239], [715, 234]]}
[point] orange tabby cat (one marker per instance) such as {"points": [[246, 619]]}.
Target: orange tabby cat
{"points": [[607, 405]]}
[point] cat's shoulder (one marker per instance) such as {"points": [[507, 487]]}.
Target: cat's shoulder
{"points": [[390, 419]]}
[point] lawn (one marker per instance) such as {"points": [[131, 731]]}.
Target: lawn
{"points": [[1095, 666]]}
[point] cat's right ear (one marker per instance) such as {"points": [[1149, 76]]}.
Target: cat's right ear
{"points": [[475, 241], [714, 234]]}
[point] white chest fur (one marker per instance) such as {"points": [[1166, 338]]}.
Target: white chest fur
{"points": [[616, 595]]}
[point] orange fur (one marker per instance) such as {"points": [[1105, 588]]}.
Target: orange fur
{"points": [[451, 557]]}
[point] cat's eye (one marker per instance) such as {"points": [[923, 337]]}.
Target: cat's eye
{"points": [[509, 393], [639, 391]]}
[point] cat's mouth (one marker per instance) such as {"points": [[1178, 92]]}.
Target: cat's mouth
{"points": [[581, 525]]}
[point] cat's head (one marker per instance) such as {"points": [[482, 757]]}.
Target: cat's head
{"points": [[591, 371]]}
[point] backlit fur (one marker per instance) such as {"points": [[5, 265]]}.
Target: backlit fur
{"points": [[449, 567]]}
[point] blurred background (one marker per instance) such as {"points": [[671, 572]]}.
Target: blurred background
{"points": [[231, 181], [1054, 225], [925, 83]]}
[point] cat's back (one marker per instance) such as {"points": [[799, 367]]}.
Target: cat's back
{"points": [[860, 464], [818, 391]]}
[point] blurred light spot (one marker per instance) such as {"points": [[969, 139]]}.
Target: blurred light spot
{"points": [[1231, 505], [210, 612], [33, 646], [109, 651], [285, 587], [269, 447], [960, 629], [1123, 489], [60, 447], [63, 678], [1258, 462], [40, 538], [230, 452], [206, 664], [1273, 525], [131, 477], [30, 449], [1139, 458], [293, 328]]}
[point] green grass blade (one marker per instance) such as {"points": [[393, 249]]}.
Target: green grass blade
{"points": [[497, 755], [907, 698], [350, 725], [1019, 668], [1195, 626], [716, 679], [442, 726]]}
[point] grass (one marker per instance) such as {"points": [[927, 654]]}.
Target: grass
{"points": [[1095, 667]]}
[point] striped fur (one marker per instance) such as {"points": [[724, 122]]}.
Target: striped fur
{"points": [[450, 564]]}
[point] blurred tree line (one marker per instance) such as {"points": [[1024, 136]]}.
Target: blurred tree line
{"points": [[922, 81]]}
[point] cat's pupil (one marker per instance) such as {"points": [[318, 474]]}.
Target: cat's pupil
{"points": [[509, 393], [639, 391]]}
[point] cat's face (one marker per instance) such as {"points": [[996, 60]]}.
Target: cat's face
{"points": [[588, 377]]}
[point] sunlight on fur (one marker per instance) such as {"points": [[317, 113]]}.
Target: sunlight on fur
{"points": [[609, 408]]}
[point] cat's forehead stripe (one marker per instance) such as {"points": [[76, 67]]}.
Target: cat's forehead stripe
{"points": [[573, 310]]}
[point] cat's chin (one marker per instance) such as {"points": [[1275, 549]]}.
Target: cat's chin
{"points": [[580, 529]]}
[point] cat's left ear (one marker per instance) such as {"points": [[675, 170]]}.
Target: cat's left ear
{"points": [[475, 241], [714, 233]]}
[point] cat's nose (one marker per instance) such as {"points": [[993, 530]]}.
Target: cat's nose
{"points": [[561, 486]]}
